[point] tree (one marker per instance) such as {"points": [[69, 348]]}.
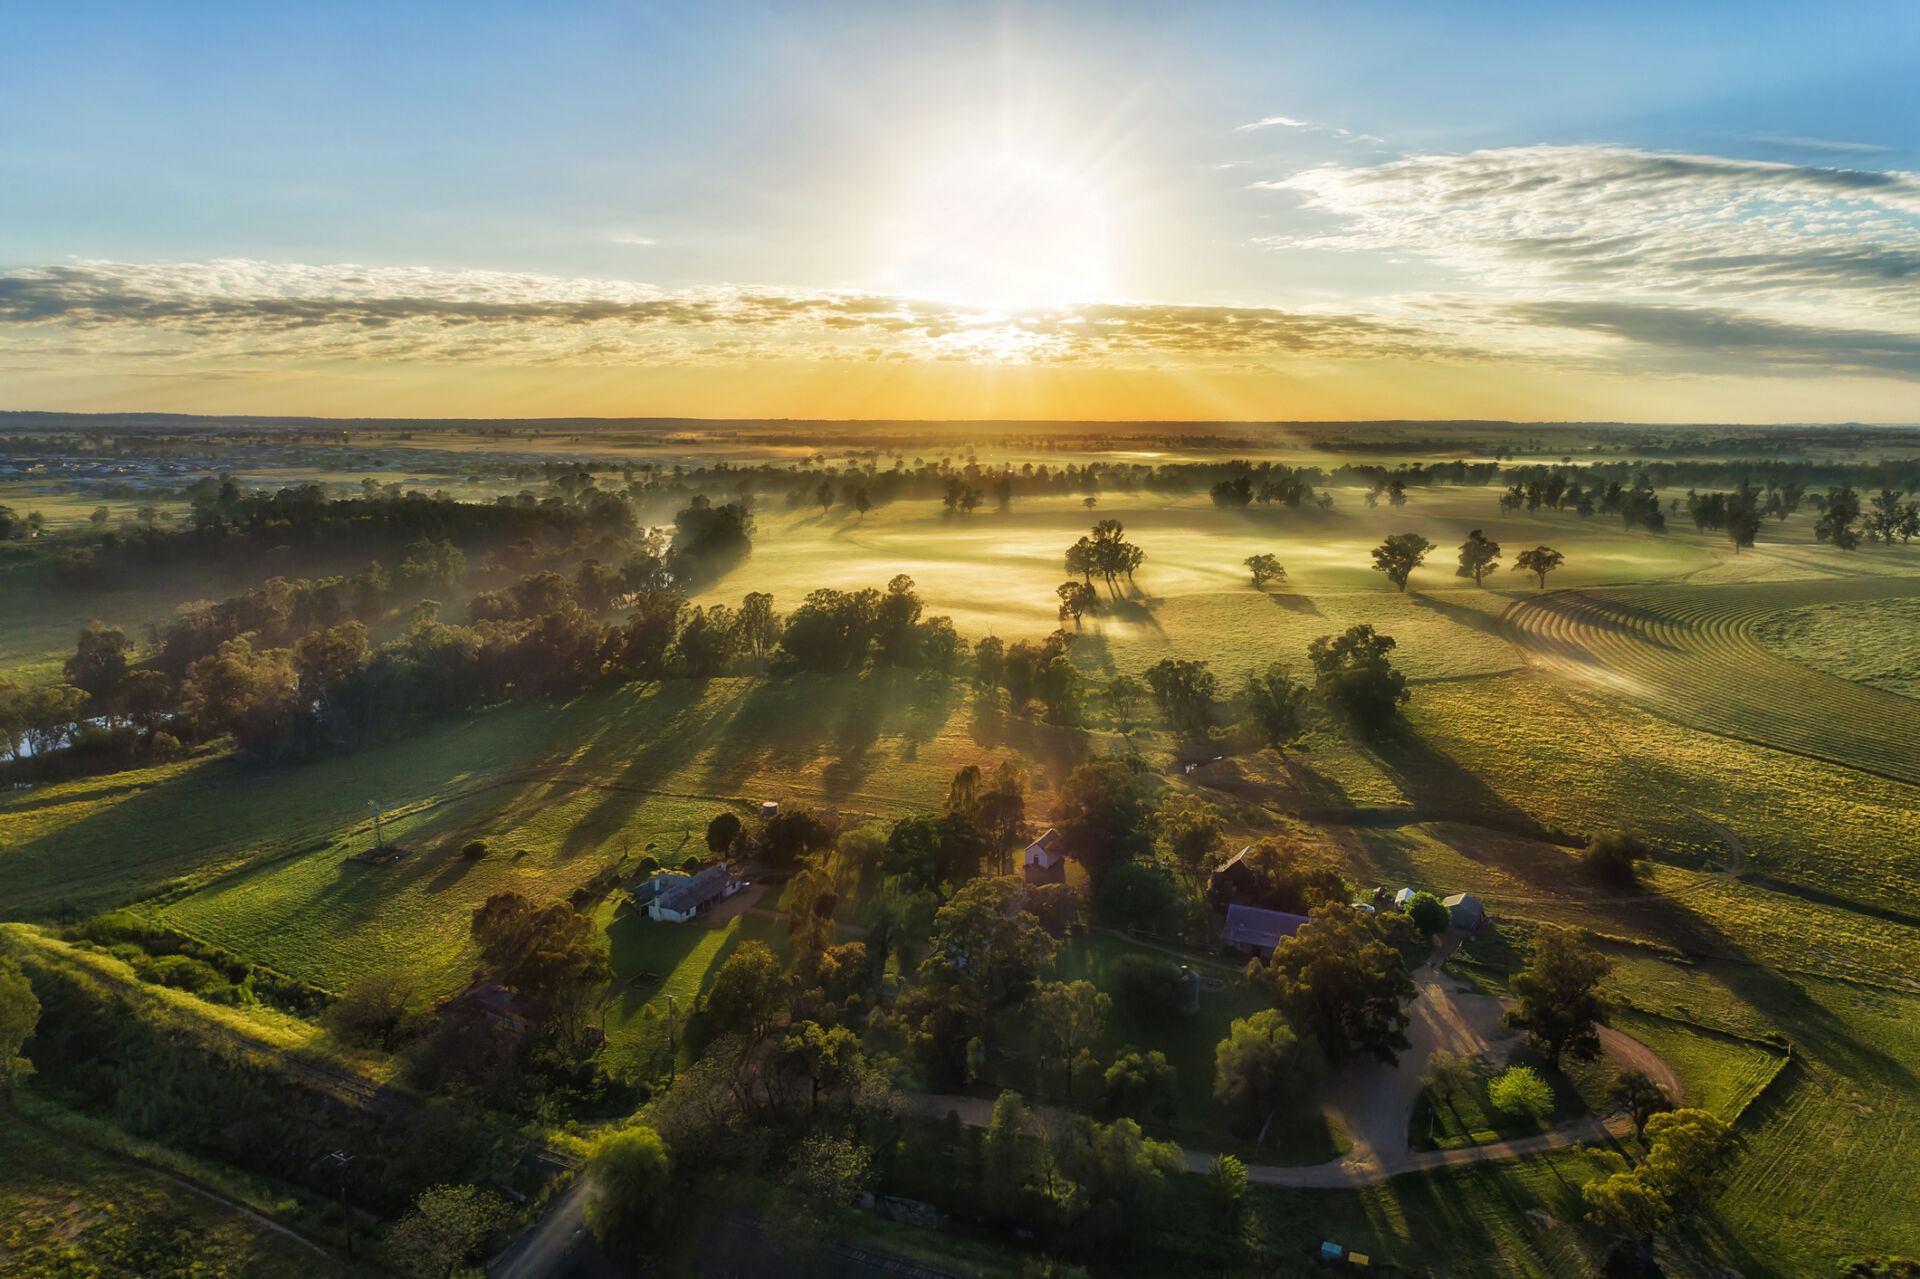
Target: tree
{"points": [[546, 953], [1448, 1074], [1614, 858], [1518, 1090], [794, 833], [1069, 1017], [1689, 1155], [378, 1009], [1429, 914], [824, 496], [861, 502], [1839, 510], [628, 1175], [1287, 878], [723, 833], [749, 993], [1341, 980], [1353, 674], [830, 1057], [1227, 1183], [1272, 698], [19, 1014], [1638, 1095], [1142, 1085], [1076, 598], [99, 662], [758, 625], [1122, 696], [1192, 829], [1185, 691], [830, 1168], [1479, 555], [1006, 1161], [1264, 568], [444, 1230], [1101, 813], [1399, 555], [985, 938], [1259, 1067], [1539, 561], [1560, 1004]]}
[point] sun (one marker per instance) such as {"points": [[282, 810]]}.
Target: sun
{"points": [[1002, 228]]}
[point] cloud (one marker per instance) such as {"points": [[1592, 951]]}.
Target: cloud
{"points": [[1606, 219], [1823, 146], [1272, 121], [638, 241], [1690, 338], [233, 309]]}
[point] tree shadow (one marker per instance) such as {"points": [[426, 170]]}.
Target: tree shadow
{"points": [[1472, 618], [1295, 603], [1440, 788]]}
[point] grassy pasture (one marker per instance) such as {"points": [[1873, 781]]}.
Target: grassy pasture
{"points": [[1874, 642], [69, 1207], [1689, 652]]}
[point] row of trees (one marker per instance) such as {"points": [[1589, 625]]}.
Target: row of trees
{"points": [[1402, 553]]}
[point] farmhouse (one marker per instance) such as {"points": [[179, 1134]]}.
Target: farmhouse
{"points": [[678, 898], [1043, 862], [1252, 931], [1467, 912]]}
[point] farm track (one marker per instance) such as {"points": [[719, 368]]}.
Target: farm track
{"points": [[1688, 653]]}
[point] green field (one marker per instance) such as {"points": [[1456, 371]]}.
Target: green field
{"points": [[1876, 641]]}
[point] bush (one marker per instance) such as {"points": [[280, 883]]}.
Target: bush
{"points": [[474, 849], [183, 972], [1614, 858], [1429, 914], [1520, 1091], [1141, 1086]]}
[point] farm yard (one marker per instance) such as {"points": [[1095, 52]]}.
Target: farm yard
{"points": [[1749, 715]]}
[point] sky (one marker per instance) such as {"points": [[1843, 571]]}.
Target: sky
{"points": [[1099, 211]]}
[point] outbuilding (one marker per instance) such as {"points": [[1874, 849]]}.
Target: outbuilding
{"points": [[1467, 912], [1043, 862], [1252, 931]]}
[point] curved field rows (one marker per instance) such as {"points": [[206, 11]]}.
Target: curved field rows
{"points": [[1687, 652]]}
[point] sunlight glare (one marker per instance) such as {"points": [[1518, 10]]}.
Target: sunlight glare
{"points": [[1004, 228]]}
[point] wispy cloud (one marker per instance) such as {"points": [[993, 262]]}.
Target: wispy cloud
{"points": [[637, 241], [1823, 146], [1603, 220], [288, 311], [1272, 122]]}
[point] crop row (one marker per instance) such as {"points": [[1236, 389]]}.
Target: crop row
{"points": [[1688, 652]]}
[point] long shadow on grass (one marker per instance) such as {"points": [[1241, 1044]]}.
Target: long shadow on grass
{"points": [[1443, 789], [1471, 618], [1813, 1028]]}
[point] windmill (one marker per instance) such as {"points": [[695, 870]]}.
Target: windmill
{"points": [[377, 808]]}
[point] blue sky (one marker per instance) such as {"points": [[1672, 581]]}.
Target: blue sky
{"points": [[994, 159]]}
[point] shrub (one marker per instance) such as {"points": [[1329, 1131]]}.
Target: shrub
{"points": [[1614, 858], [1429, 914], [1520, 1091], [183, 972], [1142, 1086], [474, 849]]}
